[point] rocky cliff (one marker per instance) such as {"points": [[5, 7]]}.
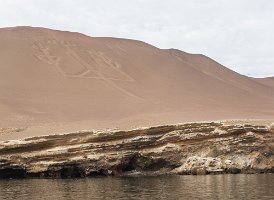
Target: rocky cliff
{"points": [[193, 148]]}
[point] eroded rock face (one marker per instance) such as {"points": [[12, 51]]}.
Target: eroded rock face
{"points": [[194, 148]]}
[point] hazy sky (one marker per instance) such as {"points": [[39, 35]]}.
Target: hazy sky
{"points": [[236, 33]]}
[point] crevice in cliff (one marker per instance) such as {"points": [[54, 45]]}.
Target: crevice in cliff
{"points": [[65, 171], [12, 172]]}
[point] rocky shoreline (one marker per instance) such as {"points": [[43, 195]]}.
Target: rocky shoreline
{"points": [[192, 148]]}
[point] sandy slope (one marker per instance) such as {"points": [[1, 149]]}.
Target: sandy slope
{"points": [[269, 81], [49, 77]]}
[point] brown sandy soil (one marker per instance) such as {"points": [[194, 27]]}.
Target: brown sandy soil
{"points": [[56, 81], [269, 81]]}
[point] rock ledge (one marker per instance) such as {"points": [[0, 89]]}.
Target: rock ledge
{"points": [[193, 148]]}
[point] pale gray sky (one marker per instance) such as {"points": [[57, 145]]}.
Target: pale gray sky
{"points": [[237, 33]]}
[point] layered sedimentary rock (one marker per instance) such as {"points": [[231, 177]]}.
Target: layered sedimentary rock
{"points": [[193, 148]]}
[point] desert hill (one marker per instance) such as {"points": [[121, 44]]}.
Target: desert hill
{"points": [[51, 76]]}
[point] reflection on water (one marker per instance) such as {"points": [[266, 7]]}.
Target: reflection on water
{"points": [[163, 187]]}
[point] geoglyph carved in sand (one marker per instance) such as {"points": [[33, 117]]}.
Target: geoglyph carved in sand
{"points": [[97, 66]]}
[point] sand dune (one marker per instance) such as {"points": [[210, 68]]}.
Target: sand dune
{"points": [[49, 76]]}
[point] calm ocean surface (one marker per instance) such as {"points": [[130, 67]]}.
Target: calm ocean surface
{"points": [[164, 187]]}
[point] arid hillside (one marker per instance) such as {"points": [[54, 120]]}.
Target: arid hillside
{"points": [[49, 76]]}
